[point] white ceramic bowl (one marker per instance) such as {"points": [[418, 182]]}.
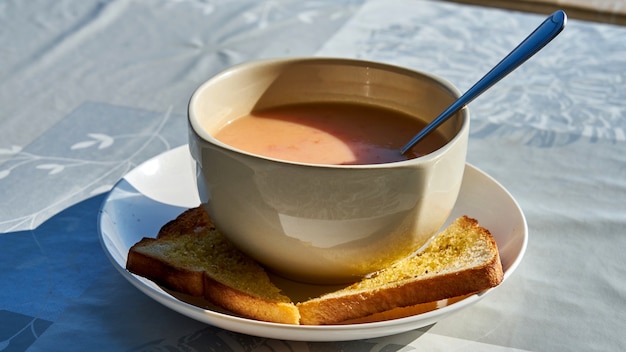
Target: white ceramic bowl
{"points": [[325, 223]]}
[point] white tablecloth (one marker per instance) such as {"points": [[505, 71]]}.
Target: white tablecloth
{"points": [[89, 89]]}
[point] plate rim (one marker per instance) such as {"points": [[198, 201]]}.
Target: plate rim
{"points": [[294, 332]]}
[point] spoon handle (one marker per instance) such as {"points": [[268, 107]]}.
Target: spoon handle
{"points": [[541, 36]]}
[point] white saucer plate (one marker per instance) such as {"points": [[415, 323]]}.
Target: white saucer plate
{"points": [[163, 187]]}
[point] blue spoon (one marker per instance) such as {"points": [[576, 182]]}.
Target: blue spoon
{"points": [[541, 36]]}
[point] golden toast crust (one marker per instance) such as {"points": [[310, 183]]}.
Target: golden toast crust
{"points": [[153, 258], [353, 303]]}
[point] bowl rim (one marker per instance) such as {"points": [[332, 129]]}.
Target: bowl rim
{"points": [[201, 134]]}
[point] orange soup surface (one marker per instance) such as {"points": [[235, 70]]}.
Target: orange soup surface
{"points": [[329, 133]]}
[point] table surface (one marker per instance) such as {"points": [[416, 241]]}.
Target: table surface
{"points": [[90, 89], [607, 11]]}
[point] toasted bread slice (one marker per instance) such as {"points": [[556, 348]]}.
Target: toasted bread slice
{"points": [[462, 259], [190, 256]]}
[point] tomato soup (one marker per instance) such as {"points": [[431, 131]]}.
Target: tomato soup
{"points": [[329, 133]]}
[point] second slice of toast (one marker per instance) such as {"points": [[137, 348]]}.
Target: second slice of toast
{"points": [[462, 259]]}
